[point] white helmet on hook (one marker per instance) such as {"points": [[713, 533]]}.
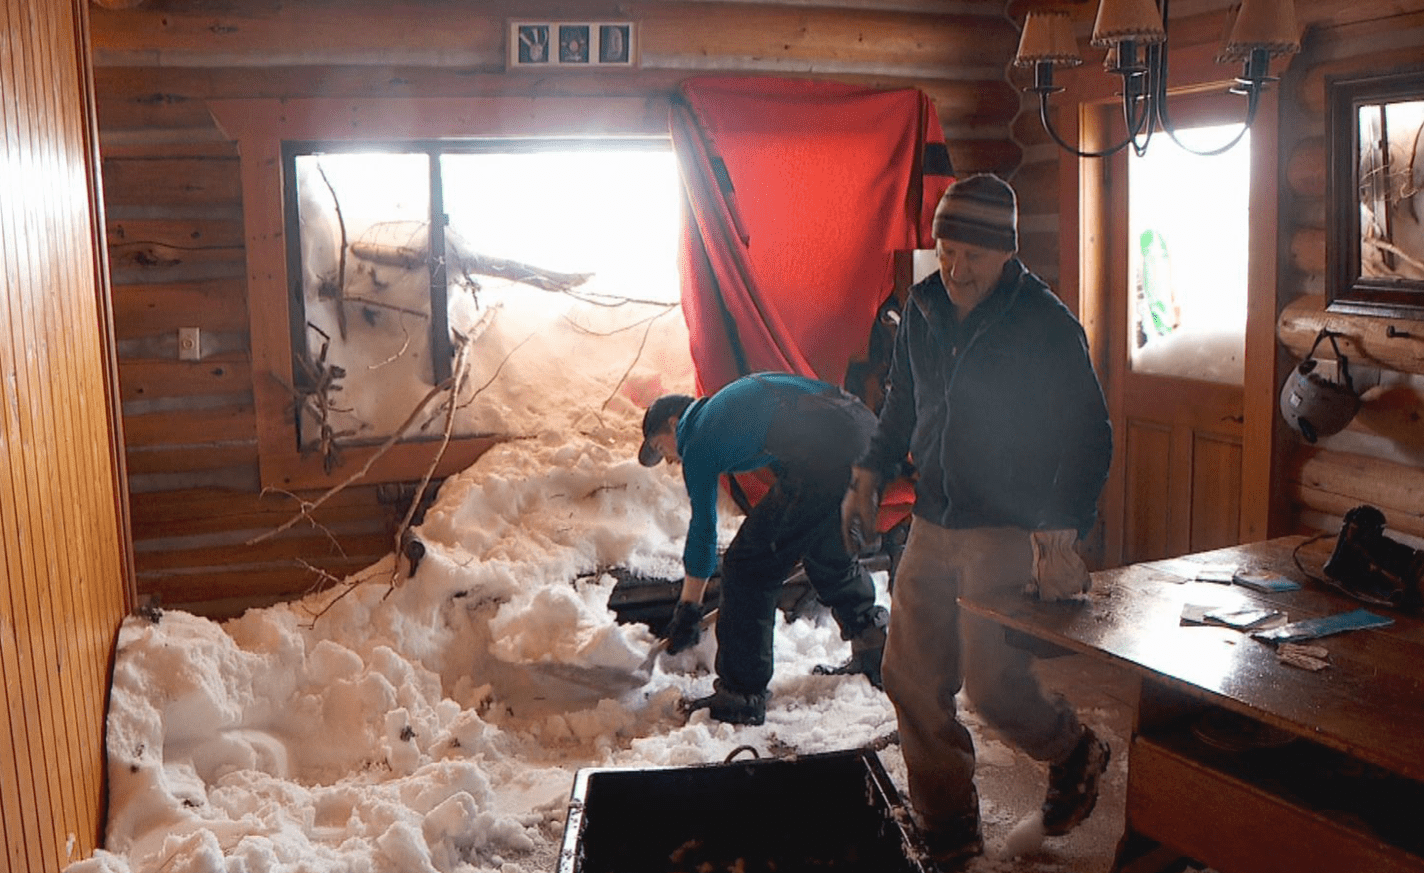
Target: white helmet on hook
{"points": [[1313, 405]]}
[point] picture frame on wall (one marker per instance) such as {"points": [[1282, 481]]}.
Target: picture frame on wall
{"points": [[547, 45]]}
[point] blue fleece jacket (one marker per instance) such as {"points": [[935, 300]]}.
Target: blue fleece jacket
{"points": [[726, 433]]}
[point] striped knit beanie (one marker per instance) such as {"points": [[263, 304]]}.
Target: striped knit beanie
{"points": [[980, 210]]}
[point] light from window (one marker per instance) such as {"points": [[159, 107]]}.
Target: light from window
{"points": [[1188, 221], [556, 260]]}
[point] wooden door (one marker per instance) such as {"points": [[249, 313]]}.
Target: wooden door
{"points": [[1189, 458]]}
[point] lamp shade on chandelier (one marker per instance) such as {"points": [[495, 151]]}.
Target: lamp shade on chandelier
{"points": [[1134, 32]]}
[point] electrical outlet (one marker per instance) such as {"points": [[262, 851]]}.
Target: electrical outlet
{"points": [[189, 344]]}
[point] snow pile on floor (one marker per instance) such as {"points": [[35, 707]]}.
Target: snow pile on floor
{"points": [[434, 723]]}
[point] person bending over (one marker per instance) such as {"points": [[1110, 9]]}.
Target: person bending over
{"points": [[808, 432]]}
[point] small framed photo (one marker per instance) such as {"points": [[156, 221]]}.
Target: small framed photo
{"points": [[530, 44], [615, 44], [572, 44]]}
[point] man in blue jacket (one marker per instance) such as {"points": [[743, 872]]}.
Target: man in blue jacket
{"points": [[993, 396], [808, 432]]}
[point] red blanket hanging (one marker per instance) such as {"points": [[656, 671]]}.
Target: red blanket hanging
{"points": [[798, 195]]}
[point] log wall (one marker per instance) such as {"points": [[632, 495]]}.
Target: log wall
{"points": [[64, 584], [173, 194], [1379, 458]]}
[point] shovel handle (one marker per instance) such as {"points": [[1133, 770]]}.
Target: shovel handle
{"points": [[661, 645]]}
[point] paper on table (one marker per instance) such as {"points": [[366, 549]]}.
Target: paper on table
{"points": [[1313, 628], [1246, 617], [1221, 573], [1263, 580]]}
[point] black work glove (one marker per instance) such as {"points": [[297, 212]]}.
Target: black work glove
{"points": [[684, 630]]}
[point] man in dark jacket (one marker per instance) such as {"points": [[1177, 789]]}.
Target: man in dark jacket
{"points": [[809, 432], [993, 396]]}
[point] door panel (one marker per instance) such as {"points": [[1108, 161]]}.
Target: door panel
{"points": [[1216, 492], [1146, 520]]}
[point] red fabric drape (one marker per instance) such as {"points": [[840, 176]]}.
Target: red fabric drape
{"points": [[798, 194]]}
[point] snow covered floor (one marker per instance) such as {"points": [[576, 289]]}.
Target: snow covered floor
{"points": [[433, 726]]}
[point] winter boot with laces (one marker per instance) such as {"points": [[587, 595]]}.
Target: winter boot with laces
{"points": [[1073, 784], [729, 706], [867, 647]]}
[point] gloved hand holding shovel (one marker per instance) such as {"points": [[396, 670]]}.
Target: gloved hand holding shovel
{"points": [[684, 629]]}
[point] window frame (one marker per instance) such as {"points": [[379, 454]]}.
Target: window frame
{"points": [[260, 127]]}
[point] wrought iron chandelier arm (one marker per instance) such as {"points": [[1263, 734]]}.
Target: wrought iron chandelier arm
{"points": [[1063, 144], [1253, 102]]}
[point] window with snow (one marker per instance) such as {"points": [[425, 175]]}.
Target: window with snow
{"points": [[483, 267], [1188, 223]]}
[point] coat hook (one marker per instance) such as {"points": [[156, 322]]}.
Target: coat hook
{"points": [[1391, 332]]}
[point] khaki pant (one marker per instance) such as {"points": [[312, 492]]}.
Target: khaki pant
{"points": [[933, 652]]}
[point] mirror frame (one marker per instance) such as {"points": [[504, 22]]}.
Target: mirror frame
{"points": [[1346, 290]]}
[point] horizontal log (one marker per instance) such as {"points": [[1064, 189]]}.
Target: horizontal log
{"points": [[984, 156], [131, 97], [1307, 248], [172, 181], [190, 458], [182, 234], [1398, 490], [1336, 505], [307, 544], [1370, 46], [210, 510], [190, 426], [147, 309], [1364, 339], [145, 260], [670, 36], [150, 379], [192, 142], [210, 520], [1305, 168], [283, 580], [245, 477], [1039, 177]]}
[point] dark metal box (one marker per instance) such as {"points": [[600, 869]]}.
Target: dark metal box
{"points": [[835, 811]]}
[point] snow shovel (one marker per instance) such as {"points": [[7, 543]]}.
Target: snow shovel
{"points": [[614, 680]]}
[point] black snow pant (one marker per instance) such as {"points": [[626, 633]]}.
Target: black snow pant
{"points": [[815, 440]]}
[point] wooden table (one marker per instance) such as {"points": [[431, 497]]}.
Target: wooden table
{"points": [[1238, 760]]}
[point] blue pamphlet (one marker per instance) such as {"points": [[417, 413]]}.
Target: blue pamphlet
{"points": [[1261, 580], [1312, 628]]}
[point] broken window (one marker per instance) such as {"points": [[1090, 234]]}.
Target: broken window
{"points": [[533, 241]]}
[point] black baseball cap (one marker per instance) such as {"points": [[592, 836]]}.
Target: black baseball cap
{"points": [[665, 407]]}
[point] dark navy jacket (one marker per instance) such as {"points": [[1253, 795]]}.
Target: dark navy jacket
{"points": [[1002, 415]]}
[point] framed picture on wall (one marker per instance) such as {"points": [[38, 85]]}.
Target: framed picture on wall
{"points": [[1375, 194], [571, 45]]}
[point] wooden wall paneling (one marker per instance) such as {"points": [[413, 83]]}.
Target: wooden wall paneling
{"points": [[60, 352], [65, 586], [37, 646]]}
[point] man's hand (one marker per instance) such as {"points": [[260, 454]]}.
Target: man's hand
{"points": [[1058, 570], [684, 630], [860, 511]]}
